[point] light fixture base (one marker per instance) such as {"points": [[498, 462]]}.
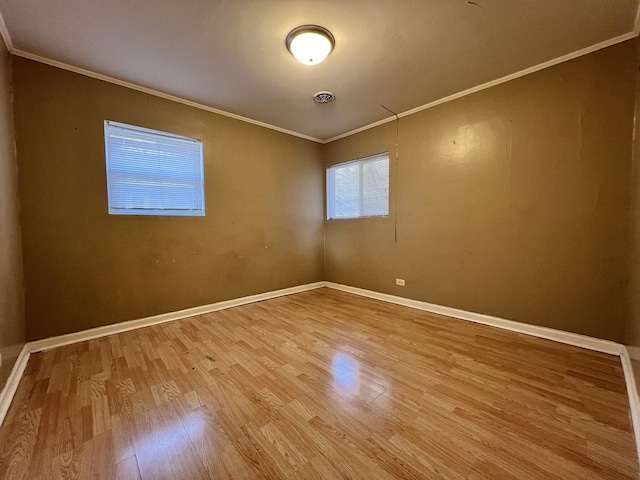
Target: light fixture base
{"points": [[310, 44]]}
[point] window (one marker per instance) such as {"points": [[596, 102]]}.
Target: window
{"points": [[359, 188], [152, 173]]}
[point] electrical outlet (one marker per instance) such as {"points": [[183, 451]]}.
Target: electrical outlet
{"points": [[400, 281]]}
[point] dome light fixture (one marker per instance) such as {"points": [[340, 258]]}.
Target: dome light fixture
{"points": [[310, 44]]}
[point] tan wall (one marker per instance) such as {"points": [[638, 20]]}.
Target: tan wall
{"points": [[12, 326], [633, 320], [84, 268], [513, 201]]}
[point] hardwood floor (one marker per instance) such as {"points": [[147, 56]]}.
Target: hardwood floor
{"points": [[321, 384]]}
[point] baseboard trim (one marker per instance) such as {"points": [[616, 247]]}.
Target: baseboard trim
{"points": [[71, 338], [575, 339], [591, 343], [632, 393], [10, 388]]}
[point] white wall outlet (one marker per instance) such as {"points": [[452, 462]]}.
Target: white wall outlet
{"points": [[400, 281]]}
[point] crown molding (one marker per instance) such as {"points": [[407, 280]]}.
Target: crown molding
{"points": [[156, 93], [5, 34], [493, 83], [89, 73]]}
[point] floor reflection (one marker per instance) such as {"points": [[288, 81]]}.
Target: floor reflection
{"points": [[174, 437], [346, 375]]}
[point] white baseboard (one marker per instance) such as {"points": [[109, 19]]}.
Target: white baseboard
{"points": [[10, 388], [591, 343], [576, 339], [632, 392], [62, 340]]}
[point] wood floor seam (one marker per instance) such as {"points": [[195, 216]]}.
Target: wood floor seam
{"points": [[319, 384]]}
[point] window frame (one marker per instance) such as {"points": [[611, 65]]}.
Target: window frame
{"points": [[330, 188], [171, 212]]}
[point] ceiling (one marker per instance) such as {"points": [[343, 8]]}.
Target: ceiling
{"points": [[230, 54]]}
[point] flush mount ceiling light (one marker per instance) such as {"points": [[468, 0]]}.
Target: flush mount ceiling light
{"points": [[310, 44]]}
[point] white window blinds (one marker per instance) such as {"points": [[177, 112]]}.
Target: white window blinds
{"points": [[359, 188], [153, 173]]}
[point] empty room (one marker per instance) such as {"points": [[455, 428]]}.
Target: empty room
{"points": [[319, 239]]}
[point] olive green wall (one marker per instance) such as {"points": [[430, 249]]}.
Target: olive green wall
{"points": [[513, 201], [12, 323], [83, 268]]}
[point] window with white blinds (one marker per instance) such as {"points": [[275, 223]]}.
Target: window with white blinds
{"points": [[153, 173], [359, 188]]}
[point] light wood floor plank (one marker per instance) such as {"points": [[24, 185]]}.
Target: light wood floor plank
{"points": [[321, 384]]}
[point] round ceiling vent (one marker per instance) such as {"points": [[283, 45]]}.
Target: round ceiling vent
{"points": [[324, 97]]}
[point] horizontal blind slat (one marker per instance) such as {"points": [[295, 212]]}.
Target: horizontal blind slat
{"points": [[151, 172]]}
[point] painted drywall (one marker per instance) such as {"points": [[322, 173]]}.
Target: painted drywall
{"points": [[633, 318], [83, 268], [12, 323], [513, 201]]}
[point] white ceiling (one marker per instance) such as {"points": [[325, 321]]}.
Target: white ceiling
{"points": [[230, 54]]}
